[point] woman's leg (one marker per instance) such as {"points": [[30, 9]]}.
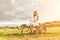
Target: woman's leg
{"points": [[37, 29]]}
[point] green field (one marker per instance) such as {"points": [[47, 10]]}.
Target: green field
{"points": [[53, 33]]}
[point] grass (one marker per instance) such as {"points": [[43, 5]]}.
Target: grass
{"points": [[53, 33]]}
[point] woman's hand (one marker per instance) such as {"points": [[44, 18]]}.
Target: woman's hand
{"points": [[32, 21]]}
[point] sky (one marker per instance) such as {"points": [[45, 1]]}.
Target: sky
{"points": [[21, 11]]}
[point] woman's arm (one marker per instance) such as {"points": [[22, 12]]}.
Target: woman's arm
{"points": [[36, 18]]}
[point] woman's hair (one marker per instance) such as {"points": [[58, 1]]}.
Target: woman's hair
{"points": [[35, 13]]}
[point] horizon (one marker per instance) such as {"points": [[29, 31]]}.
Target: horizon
{"points": [[14, 24]]}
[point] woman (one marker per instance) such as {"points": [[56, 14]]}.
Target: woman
{"points": [[35, 21]]}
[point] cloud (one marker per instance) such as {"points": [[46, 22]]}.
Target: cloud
{"points": [[15, 10]]}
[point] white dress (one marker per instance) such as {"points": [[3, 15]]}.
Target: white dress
{"points": [[35, 23]]}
